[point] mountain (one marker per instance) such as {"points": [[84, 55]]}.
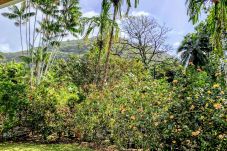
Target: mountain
{"points": [[66, 48], [78, 47]]}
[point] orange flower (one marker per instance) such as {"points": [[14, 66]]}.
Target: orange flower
{"points": [[217, 106]]}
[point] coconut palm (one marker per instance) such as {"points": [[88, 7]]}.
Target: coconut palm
{"points": [[189, 52], [20, 16], [195, 48], [117, 6], [103, 22], [217, 18]]}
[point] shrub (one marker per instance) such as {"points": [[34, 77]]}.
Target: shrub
{"points": [[197, 118], [125, 113], [13, 100], [52, 108]]}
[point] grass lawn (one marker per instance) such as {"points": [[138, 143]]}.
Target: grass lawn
{"points": [[41, 147]]}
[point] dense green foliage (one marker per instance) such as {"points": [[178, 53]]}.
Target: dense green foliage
{"points": [[185, 110], [114, 100]]}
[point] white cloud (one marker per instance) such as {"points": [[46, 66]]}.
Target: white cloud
{"points": [[90, 14], [140, 13], [176, 44], [178, 33], [4, 47]]}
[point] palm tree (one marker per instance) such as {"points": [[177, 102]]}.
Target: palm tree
{"points": [[103, 22], [21, 16], [117, 5], [218, 18], [194, 49]]}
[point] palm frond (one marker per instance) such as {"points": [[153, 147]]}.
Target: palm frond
{"points": [[10, 15]]}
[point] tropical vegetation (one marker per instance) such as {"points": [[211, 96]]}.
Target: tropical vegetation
{"points": [[120, 93]]}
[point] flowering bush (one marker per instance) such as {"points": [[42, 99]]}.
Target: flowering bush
{"points": [[139, 112], [197, 119], [125, 114]]}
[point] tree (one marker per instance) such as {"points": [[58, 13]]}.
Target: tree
{"points": [[59, 18], [21, 16], [196, 47], [117, 6], [103, 23], [216, 18], [145, 38]]}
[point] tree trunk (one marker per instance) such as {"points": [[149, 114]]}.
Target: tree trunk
{"points": [[98, 62], [21, 38], [106, 67]]}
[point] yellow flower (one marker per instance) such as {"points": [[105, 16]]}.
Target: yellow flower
{"points": [[188, 141], [133, 117], [192, 107], [171, 117], [222, 92], [217, 74], [196, 133], [175, 81], [156, 123], [174, 142], [218, 97], [209, 92], [216, 86], [217, 106], [123, 109], [140, 110], [221, 136], [179, 130], [202, 117]]}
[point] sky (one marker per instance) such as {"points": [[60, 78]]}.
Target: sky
{"points": [[172, 13]]}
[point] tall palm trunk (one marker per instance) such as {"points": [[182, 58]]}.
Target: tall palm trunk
{"points": [[33, 45], [98, 62], [21, 37], [106, 67]]}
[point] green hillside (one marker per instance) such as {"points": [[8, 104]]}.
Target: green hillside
{"points": [[66, 48]]}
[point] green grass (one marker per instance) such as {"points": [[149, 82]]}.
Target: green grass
{"points": [[39, 147]]}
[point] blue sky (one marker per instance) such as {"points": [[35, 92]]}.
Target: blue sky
{"points": [[170, 12]]}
